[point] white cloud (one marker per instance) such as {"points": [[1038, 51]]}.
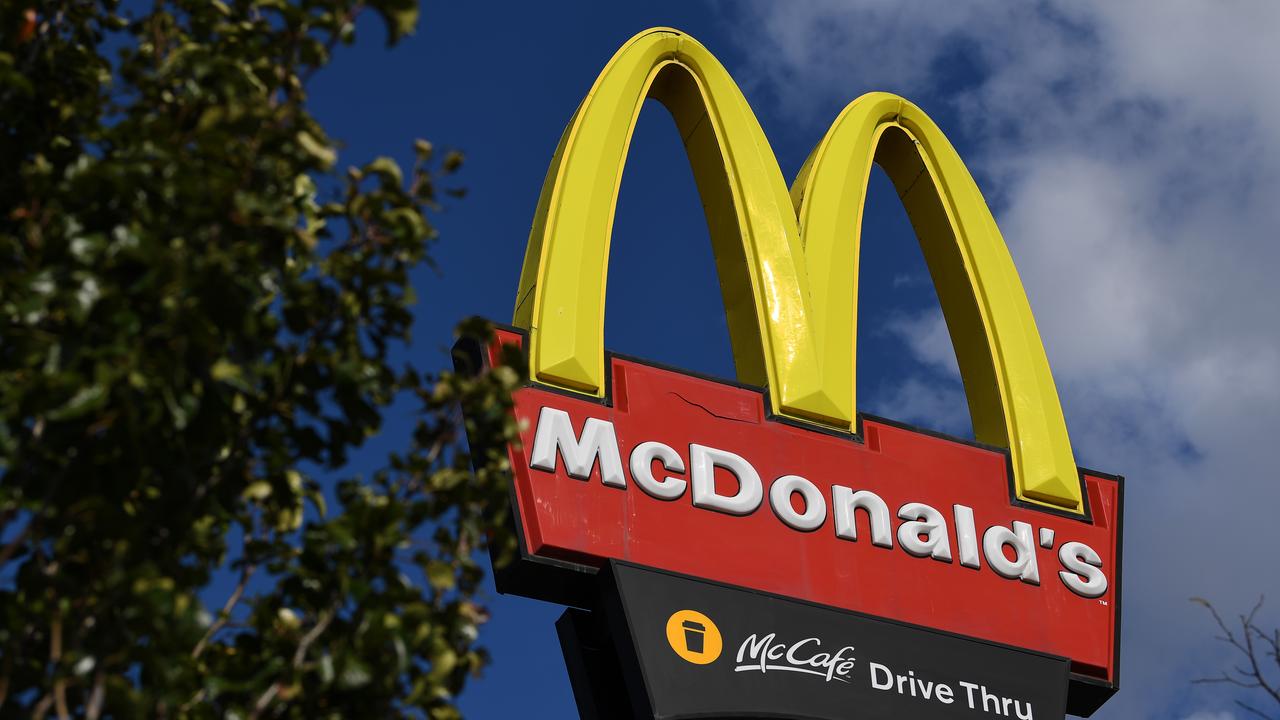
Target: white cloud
{"points": [[1131, 152], [935, 405], [926, 336]]}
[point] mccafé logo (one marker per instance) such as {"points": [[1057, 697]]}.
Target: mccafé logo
{"points": [[707, 455], [1009, 551], [765, 653], [696, 639]]}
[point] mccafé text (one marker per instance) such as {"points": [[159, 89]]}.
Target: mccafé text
{"points": [[923, 531]]}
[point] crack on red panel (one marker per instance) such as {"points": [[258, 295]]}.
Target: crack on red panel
{"points": [[708, 410]]}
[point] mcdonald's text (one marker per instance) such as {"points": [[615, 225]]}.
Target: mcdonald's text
{"points": [[1010, 550]]}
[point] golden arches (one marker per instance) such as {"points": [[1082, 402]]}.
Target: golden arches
{"points": [[788, 263]]}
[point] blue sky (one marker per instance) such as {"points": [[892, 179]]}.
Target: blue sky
{"points": [[1127, 158]]}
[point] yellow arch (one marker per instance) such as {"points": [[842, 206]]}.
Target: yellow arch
{"points": [[1002, 361], [788, 269], [753, 229]]}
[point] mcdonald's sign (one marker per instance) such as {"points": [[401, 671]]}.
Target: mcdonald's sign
{"points": [[775, 482]]}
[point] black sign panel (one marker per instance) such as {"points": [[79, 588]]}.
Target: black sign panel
{"points": [[693, 649]]}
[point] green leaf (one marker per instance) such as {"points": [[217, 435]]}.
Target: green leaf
{"points": [[224, 370], [288, 618], [388, 169], [258, 490], [355, 674], [400, 16], [326, 668], [86, 400], [440, 575], [317, 498], [323, 154]]}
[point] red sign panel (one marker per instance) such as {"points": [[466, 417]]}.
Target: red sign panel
{"points": [[693, 475]]}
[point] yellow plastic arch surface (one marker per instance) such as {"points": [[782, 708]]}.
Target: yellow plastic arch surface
{"points": [[1012, 398], [753, 229], [788, 263]]}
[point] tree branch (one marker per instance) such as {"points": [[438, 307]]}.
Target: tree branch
{"points": [[321, 625], [1253, 710], [93, 708], [1250, 676], [42, 707], [55, 657], [299, 655], [224, 615]]}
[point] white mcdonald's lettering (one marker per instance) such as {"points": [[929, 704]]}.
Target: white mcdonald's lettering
{"points": [[923, 533], [555, 432]]}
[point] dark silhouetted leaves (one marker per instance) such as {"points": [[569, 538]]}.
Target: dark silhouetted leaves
{"points": [[199, 319]]}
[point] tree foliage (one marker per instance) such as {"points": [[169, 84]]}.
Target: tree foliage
{"points": [[201, 318]]}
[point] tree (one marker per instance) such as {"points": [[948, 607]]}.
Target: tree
{"points": [[1258, 653], [201, 317]]}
